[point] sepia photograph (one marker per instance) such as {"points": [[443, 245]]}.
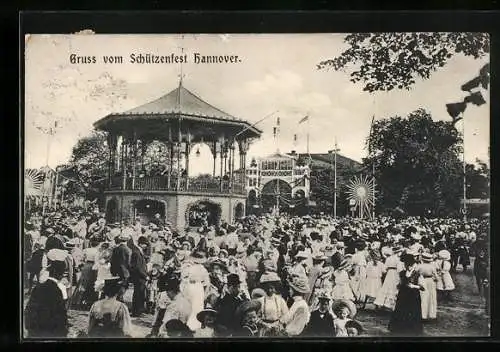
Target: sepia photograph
{"points": [[198, 186]]}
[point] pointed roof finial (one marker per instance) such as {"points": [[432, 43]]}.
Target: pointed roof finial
{"points": [[181, 75]]}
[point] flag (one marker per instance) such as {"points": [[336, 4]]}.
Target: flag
{"points": [[275, 130], [304, 119], [277, 121]]}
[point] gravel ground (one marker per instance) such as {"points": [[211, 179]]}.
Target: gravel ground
{"points": [[463, 316]]}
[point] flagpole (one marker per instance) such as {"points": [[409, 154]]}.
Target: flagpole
{"points": [[308, 125], [373, 170], [463, 162]]}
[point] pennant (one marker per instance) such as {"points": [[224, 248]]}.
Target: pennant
{"points": [[304, 119], [455, 109], [275, 130], [475, 98]]}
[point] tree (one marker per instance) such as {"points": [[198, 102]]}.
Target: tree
{"points": [[477, 180], [322, 185], [417, 164], [90, 157], [384, 61]]}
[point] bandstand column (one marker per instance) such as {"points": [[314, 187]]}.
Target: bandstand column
{"points": [[231, 165], [112, 139], [188, 151], [170, 147], [214, 154], [221, 152], [134, 156]]}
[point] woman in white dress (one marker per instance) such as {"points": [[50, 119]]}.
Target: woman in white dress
{"points": [[273, 306], [389, 291], [342, 288], [444, 282], [428, 296], [373, 283], [358, 279]]}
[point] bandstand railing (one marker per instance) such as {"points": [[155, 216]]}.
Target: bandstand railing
{"points": [[175, 184]]}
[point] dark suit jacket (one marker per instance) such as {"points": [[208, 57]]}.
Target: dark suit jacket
{"points": [[226, 306], [55, 241], [318, 326], [120, 261], [138, 268], [45, 314]]}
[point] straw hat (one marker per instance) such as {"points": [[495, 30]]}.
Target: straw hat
{"points": [[427, 257], [219, 263], [302, 254], [57, 255], [324, 295], [257, 293], [444, 254], [207, 311], [299, 284], [269, 277], [246, 307], [340, 303]]}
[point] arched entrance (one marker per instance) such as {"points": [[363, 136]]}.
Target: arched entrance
{"points": [[203, 211], [239, 211], [112, 211], [276, 193], [145, 209]]}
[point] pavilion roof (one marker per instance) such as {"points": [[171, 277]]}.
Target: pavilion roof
{"points": [[179, 101]]}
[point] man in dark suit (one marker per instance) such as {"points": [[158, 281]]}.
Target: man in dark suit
{"points": [[229, 303], [139, 276], [45, 314], [120, 263]]}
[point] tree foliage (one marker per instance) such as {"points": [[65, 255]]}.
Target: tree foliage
{"points": [[322, 186], [384, 61], [417, 164], [477, 180]]}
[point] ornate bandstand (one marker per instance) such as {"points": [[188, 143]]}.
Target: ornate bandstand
{"points": [[180, 120]]}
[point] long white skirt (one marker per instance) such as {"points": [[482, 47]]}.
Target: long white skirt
{"points": [[429, 299], [196, 295], [389, 291]]}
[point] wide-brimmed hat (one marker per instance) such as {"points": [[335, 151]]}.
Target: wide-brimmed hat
{"points": [[444, 254], [257, 293], [246, 307], [123, 237], [386, 251], [302, 254], [299, 284], [323, 295], [427, 257], [340, 244], [340, 303], [219, 263], [188, 243], [269, 277], [208, 310], [57, 255], [319, 257]]}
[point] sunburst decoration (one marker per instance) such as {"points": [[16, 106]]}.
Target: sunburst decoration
{"points": [[33, 181], [361, 190]]}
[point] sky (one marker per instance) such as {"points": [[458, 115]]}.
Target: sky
{"points": [[277, 74]]}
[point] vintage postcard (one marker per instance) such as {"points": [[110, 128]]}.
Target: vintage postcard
{"points": [[331, 185]]}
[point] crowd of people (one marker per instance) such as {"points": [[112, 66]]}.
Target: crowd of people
{"points": [[267, 276]]}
